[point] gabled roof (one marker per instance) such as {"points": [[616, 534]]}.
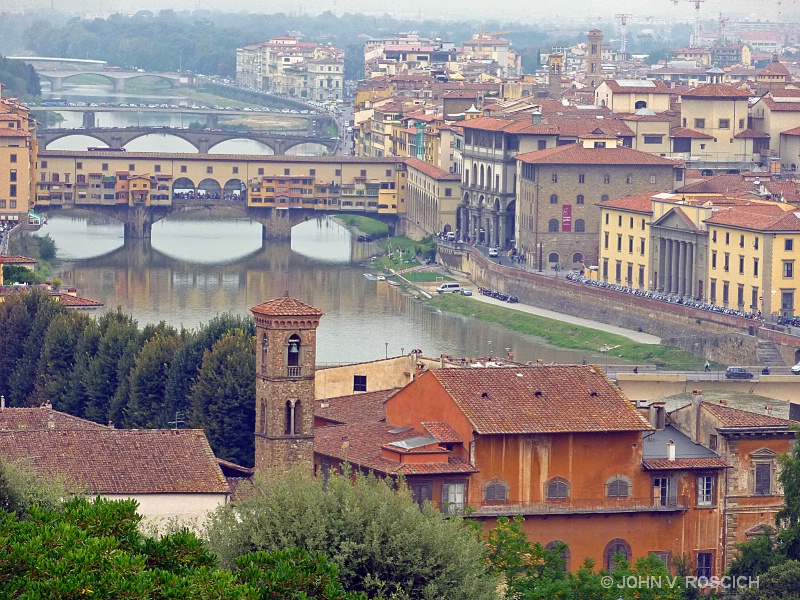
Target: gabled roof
{"points": [[751, 134], [121, 461], [688, 454], [18, 260], [636, 86], [721, 184], [717, 91], [736, 417], [541, 399], [42, 419], [431, 171], [442, 432], [684, 132], [286, 307], [576, 154], [755, 218], [366, 407], [78, 301], [641, 203]]}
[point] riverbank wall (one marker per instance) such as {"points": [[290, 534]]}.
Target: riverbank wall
{"points": [[713, 336]]}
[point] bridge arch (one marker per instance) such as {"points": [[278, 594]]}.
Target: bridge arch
{"points": [[234, 190], [158, 133], [76, 133], [52, 78], [183, 188], [301, 149], [209, 188], [259, 146], [173, 83]]}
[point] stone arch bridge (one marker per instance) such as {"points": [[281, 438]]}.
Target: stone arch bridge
{"points": [[203, 141], [117, 79]]}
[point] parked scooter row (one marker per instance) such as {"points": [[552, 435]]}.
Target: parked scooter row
{"points": [[498, 295], [665, 297]]}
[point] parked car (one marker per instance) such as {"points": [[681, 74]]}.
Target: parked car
{"points": [[466, 292], [492, 251], [738, 373], [796, 369]]}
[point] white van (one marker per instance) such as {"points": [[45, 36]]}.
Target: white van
{"points": [[449, 286], [450, 236]]}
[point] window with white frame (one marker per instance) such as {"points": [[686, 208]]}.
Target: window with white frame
{"points": [[705, 490]]}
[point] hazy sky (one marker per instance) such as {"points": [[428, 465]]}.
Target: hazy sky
{"points": [[523, 10]]}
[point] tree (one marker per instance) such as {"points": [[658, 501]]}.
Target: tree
{"points": [[147, 380], [21, 488], [382, 542], [54, 374], [788, 518], [755, 556], [15, 323], [95, 549], [224, 397], [15, 274], [781, 582]]}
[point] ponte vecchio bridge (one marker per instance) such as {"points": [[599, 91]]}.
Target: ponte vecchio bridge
{"points": [[280, 191]]}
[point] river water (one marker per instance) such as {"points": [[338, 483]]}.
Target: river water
{"points": [[196, 267]]}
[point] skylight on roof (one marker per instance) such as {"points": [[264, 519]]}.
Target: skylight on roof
{"points": [[641, 83]]}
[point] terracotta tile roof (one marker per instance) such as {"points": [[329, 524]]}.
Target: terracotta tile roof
{"points": [[736, 417], [721, 184], [366, 407], [41, 419], [9, 132], [360, 444], [795, 131], [775, 68], [663, 464], [8, 260], [286, 307], [751, 133], [716, 90], [442, 432], [659, 88], [642, 203], [573, 154], [684, 132], [260, 158], [431, 171], [77, 301], [541, 399], [756, 219], [790, 190], [121, 461]]}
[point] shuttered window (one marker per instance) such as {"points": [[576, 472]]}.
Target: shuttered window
{"points": [[763, 479]]}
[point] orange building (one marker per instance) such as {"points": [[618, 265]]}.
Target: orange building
{"points": [[560, 445]]}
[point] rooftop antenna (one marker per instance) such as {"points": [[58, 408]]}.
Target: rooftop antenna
{"points": [[179, 420]]}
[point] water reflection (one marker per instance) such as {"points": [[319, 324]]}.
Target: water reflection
{"points": [[196, 268]]}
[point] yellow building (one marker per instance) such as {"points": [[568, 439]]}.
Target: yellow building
{"points": [[731, 252], [433, 199], [753, 255], [18, 150]]}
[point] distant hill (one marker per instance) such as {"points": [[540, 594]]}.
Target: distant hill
{"points": [[19, 79]]}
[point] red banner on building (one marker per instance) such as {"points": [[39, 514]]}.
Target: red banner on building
{"points": [[566, 218]]}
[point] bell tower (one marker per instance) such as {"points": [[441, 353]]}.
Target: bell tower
{"points": [[556, 67], [594, 57], [286, 352]]}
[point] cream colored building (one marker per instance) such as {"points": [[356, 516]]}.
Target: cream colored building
{"points": [[433, 199], [487, 48], [630, 95], [775, 112], [18, 151]]}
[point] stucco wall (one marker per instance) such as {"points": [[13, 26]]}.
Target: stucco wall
{"points": [[160, 509]]}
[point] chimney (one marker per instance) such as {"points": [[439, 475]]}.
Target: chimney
{"points": [[658, 415], [697, 401], [536, 117], [111, 424], [671, 450], [442, 360], [2, 402]]}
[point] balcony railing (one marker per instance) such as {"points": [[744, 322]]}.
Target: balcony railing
{"points": [[294, 371], [577, 506]]}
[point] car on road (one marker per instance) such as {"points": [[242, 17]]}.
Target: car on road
{"points": [[466, 292], [737, 373], [492, 251], [796, 369]]}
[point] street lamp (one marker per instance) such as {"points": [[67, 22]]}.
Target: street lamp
{"points": [[387, 349], [490, 349]]}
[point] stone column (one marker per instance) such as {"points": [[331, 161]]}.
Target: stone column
{"points": [[667, 275], [690, 270], [681, 268], [496, 241], [662, 261], [675, 258], [503, 224]]}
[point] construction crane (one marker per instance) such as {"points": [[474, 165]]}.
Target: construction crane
{"points": [[722, 22], [697, 3], [623, 25]]}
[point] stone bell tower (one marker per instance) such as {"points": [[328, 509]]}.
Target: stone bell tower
{"points": [[286, 352]]}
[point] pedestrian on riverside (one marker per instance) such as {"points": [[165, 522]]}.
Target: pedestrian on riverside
{"points": [[708, 366]]}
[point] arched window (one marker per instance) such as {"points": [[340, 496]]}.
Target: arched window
{"points": [[579, 199], [293, 351], [483, 177], [289, 429], [604, 198], [577, 257], [640, 104], [552, 257], [552, 226], [613, 548], [488, 176], [606, 178], [263, 416], [557, 489], [563, 551], [495, 491], [553, 199], [618, 487], [580, 225]]}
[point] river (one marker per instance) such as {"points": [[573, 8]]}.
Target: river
{"points": [[196, 267]]}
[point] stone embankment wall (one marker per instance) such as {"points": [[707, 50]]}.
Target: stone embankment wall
{"points": [[722, 338]]}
